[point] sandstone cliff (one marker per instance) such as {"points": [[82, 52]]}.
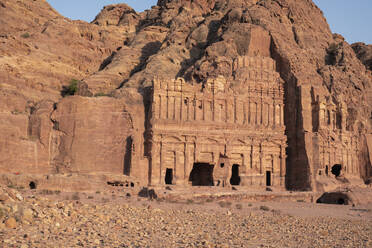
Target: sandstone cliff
{"points": [[120, 53]]}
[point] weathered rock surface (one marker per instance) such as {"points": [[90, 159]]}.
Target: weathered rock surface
{"points": [[120, 53], [364, 53]]}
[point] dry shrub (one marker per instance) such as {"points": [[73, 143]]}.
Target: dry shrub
{"points": [[224, 204], [264, 208], [239, 206], [75, 196]]}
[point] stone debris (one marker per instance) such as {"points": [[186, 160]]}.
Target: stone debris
{"points": [[41, 222]]}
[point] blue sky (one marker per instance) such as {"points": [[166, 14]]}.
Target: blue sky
{"points": [[352, 19]]}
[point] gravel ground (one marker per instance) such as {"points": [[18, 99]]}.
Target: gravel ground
{"points": [[83, 222]]}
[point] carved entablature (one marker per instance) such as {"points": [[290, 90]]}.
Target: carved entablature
{"points": [[255, 102], [173, 85], [330, 116]]}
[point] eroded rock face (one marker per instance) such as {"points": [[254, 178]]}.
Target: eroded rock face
{"points": [[364, 53], [327, 90]]}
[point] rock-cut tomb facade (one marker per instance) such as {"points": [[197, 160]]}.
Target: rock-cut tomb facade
{"points": [[221, 132]]}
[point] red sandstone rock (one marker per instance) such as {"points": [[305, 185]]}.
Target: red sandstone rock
{"points": [[327, 100], [364, 53]]}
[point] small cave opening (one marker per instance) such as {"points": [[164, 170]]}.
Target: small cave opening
{"points": [[169, 176], [32, 185], [235, 178], [337, 198], [336, 170], [202, 174]]}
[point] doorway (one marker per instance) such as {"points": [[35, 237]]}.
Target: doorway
{"points": [[169, 176], [235, 178], [336, 170], [268, 178], [202, 174]]}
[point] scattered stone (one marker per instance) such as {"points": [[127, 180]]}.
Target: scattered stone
{"points": [[11, 223]]}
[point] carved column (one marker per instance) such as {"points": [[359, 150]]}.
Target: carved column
{"points": [[248, 161], [188, 108], [182, 107], [264, 113], [174, 99], [261, 158], [254, 113], [269, 114], [194, 107], [203, 109], [249, 111], [177, 107], [281, 115], [282, 161], [259, 112], [214, 107], [187, 159], [159, 107], [274, 114], [245, 113], [156, 161], [154, 106], [168, 108]]}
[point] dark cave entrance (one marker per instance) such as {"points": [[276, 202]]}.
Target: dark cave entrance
{"points": [[32, 185], [169, 176], [268, 178], [235, 178], [336, 170], [202, 174]]}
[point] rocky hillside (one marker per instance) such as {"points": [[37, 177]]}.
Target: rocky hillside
{"points": [[364, 53], [117, 56]]}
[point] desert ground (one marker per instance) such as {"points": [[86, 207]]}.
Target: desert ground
{"points": [[120, 218]]}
